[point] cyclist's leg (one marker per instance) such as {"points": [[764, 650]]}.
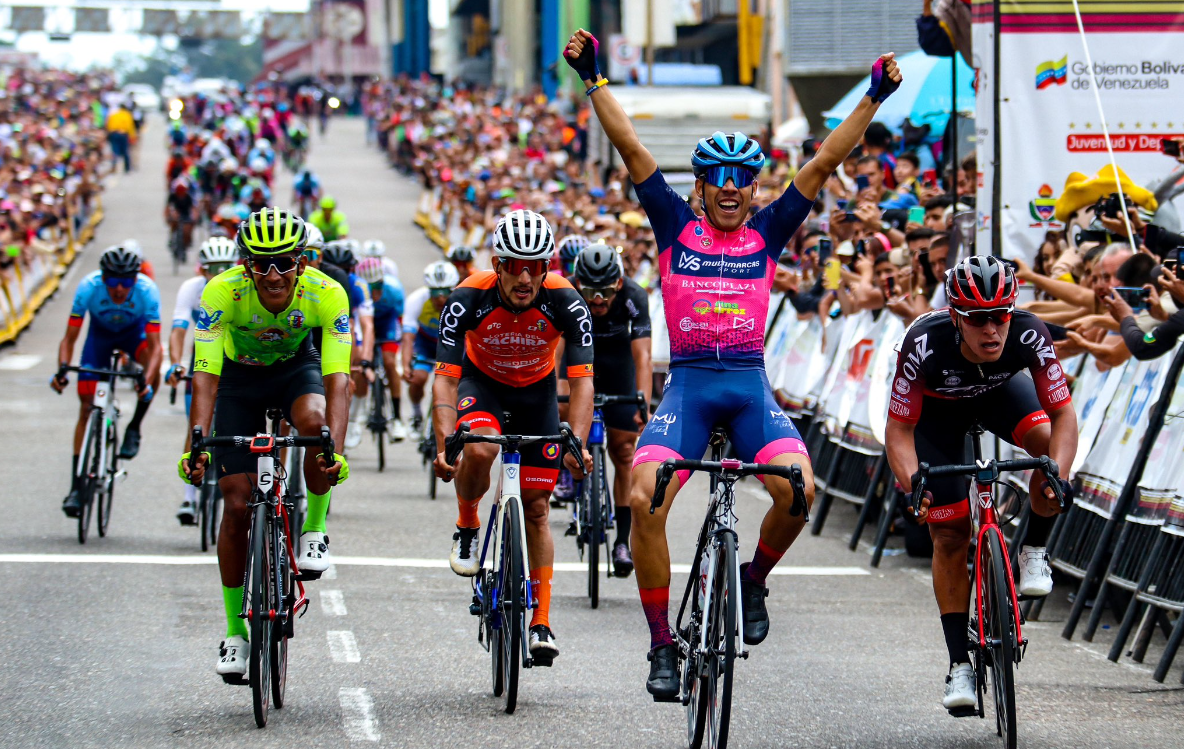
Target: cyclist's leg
{"points": [[300, 388], [940, 439], [680, 428], [479, 407]]}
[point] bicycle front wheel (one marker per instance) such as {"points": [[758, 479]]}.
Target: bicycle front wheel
{"points": [[259, 670], [106, 480], [283, 581], [722, 632], [92, 469], [511, 604], [999, 619], [206, 508], [594, 527]]}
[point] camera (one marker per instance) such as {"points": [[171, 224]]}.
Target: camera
{"points": [[1109, 206]]}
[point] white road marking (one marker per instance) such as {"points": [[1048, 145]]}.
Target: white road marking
{"points": [[370, 562], [19, 362], [357, 714], [21, 407], [333, 602], [343, 647]]}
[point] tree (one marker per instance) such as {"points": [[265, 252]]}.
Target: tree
{"points": [[211, 58]]}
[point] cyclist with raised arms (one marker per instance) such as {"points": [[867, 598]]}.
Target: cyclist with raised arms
{"points": [[124, 309], [496, 357], [957, 366], [255, 352], [216, 255], [621, 333], [716, 273], [421, 331]]}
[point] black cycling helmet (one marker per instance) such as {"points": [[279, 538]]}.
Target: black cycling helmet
{"points": [[341, 254], [981, 282], [119, 260], [597, 265], [460, 254]]}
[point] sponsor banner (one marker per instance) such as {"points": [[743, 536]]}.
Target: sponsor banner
{"points": [[1049, 120]]}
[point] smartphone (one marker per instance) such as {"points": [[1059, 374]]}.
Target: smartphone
{"points": [[929, 177], [832, 274], [1134, 296], [891, 282], [1170, 147], [862, 182], [841, 204], [850, 216], [824, 247], [917, 214]]}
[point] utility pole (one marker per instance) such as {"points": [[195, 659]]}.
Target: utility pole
{"points": [[649, 42]]}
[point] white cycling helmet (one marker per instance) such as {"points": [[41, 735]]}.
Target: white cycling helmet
{"points": [[524, 235], [263, 144], [373, 248], [441, 275], [217, 250], [133, 246], [369, 269], [258, 164], [313, 237]]}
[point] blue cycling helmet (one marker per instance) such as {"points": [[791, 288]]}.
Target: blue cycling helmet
{"points": [[736, 149], [571, 246]]}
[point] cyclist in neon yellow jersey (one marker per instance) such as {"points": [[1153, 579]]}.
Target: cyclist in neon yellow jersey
{"points": [[329, 220], [254, 351]]}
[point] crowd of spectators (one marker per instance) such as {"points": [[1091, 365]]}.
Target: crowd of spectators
{"points": [[52, 141], [887, 226]]}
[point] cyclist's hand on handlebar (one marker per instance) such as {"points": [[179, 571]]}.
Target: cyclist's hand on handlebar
{"points": [[193, 470], [922, 515], [444, 471], [408, 373], [58, 382], [174, 374], [336, 473], [579, 467], [641, 418], [1050, 494]]}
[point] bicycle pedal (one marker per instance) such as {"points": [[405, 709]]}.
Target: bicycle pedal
{"points": [[307, 576], [671, 698], [963, 712], [236, 680]]}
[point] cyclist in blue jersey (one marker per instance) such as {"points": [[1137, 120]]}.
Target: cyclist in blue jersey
{"points": [[716, 273], [421, 331], [386, 293], [124, 309], [306, 191]]}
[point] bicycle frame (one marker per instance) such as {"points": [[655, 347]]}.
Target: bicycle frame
{"points": [[509, 493], [106, 403], [720, 521]]}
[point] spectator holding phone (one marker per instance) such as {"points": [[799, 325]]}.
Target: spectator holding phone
{"points": [[1160, 339]]}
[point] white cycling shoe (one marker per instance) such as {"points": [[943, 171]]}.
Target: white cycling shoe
{"points": [[353, 435], [465, 558], [1035, 574], [232, 656], [313, 553], [960, 691], [398, 430]]}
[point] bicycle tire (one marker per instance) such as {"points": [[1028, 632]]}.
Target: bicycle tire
{"points": [[513, 591], [205, 509], [90, 460], [693, 667], [1000, 620], [108, 480], [606, 514], [377, 422], [727, 621], [279, 634], [595, 528], [259, 669], [496, 647]]}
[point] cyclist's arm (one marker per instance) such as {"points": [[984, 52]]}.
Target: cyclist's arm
{"points": [[1052, 390], [456, 320], [902, 451], [66, 347], [405, 348], [643, 364], [575, 320], [155, 350], [904, 406], [176, 345], [837, 146], [444, 390], [638, 160]]}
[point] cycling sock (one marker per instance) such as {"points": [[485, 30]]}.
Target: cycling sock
{"points": [[955, 626], [417, 409], [467, 513], [141, 409], [233, 600], [74, 478], [191, 494], [655, 602], [540, 584], [624, 525], [356, 409], [1038, 529], [318, 510], [395, 411], [763, 560]]}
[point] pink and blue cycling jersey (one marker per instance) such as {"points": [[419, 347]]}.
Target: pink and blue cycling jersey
{"points": [[715, 284]]}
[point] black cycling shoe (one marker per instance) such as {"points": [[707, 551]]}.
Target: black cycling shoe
{"points": [[543, 650], [131, 444], [663, 680], [622, 560], [72, 504], [756, 616]]}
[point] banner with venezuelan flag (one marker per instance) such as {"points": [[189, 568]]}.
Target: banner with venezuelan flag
{"points": [[1049, 123]]}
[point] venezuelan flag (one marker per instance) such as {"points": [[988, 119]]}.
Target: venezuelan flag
{"points": [[1052, 71]]}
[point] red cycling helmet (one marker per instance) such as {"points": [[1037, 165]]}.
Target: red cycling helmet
{"points": [[981, 282]]}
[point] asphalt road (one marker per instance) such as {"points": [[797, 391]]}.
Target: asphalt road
{"points": [[113, 644]]}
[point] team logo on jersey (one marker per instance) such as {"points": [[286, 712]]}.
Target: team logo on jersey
{"points": [[705, 242], [466, 402], [952, 381], [902, 386], [295, 319], [341, 324], [698, 230], [550, 451], [540, 326], [701, 306], [205, 320], [1054, 372]]}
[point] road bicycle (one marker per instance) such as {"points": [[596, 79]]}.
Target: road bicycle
{"points": [[997, 642], [593, 513], [709, 629], [98, 460], [502, 594], [270, 602], [178, 249], [209, 496], [381, 410], [427, 453]]}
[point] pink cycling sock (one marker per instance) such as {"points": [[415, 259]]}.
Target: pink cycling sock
{"points": [[763, 560], [656, 604]]}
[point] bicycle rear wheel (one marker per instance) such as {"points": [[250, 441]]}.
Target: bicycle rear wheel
{"points": [[715, 689], [259, 670], [377, 423], [91, 465], [511, 604], [107, 479], [999, 619]]}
